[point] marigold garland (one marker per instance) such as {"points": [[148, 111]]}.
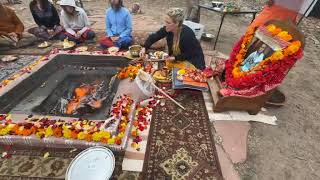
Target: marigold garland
{"points": [[77, 129], [130, 71], [271, 69]]}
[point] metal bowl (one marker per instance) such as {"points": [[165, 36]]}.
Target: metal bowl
{"points": [[207, 36], [135, 50]]}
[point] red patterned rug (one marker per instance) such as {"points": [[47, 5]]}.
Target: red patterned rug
{"points": [[181, 145]]}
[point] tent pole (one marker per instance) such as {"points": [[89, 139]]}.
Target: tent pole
{"points": [[304, 14]]}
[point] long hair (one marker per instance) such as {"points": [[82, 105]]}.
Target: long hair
{"points": [[44, 4], [116, 7]]}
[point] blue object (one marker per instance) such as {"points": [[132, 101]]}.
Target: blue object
{"points": [[124, 42], [118, 22]]}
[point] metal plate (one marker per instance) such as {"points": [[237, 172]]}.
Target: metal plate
{"points": [[93, 163]]}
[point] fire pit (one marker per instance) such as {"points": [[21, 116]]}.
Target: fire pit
{"points": [[69, 88], [80, 86]]}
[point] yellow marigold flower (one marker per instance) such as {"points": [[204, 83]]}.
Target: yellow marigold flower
{"points": [[121, 135], [66, 133], [4, 131], [40, 133], [81, 135], [105, 134], [111, 141], [271, 27], [96, 136], [277, 55], [284, 35], [10, 126], [49, 131]]}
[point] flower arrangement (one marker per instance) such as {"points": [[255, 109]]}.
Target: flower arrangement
{"points": [[76, 129], [130, 71], [271, 70], [141, 122]]}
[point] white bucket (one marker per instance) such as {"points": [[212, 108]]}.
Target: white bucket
{"points": [[196, 27], [96, 163]]}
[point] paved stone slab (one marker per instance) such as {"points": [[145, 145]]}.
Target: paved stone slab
{"points": [[234, 138], [227, 169]]}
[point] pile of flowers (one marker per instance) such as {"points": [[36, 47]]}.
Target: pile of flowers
{"points": [[23, 71], [76, 129], [130, 71], [141, 122], [270, 70]]}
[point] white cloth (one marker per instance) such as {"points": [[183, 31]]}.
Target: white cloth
{"points": [[67, 3], [79, 21]]}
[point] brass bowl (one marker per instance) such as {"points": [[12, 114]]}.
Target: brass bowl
{"points": [[135, 50]]}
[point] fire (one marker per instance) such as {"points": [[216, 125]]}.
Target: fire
{"points": [[80, 94]]}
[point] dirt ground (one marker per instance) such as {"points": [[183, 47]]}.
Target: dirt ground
{"points": [[290, 150]]}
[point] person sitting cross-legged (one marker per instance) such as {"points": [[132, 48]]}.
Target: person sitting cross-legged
{"points": [[118, 26], [46, 17], [75, 22]]}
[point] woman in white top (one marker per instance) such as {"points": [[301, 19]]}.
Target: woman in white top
{"points": [[75, 22]]}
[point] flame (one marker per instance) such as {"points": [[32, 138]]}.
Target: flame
{"points": [[80, 93]]}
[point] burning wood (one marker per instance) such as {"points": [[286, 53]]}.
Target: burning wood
{"points": [[86, 98]]}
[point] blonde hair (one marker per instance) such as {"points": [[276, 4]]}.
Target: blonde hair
{"points": [[176, 14]]}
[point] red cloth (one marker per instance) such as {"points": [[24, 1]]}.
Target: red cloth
{"points": [[106, 41], [273, 12], [83, 36]]}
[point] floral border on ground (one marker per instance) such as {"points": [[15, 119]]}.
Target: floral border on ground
{"points": [[22, 71], [87, 130], [142, 121]]}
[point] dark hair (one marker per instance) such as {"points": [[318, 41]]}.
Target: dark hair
{"points": [[118, 6], [43, 3]]}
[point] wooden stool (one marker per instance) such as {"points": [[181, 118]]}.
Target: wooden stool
{"points": [[250, 104]]}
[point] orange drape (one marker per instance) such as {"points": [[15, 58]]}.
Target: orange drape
{"points": [[273, 12], [9, 21]]}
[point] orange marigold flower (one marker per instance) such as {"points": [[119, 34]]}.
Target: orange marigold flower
{"points": [[26, 132], [74, 134], [57, 132], [88, 137], [292, 48]]}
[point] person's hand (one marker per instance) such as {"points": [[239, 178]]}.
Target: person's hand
{"points": [[170, 58], [14, 36], [78, 35], [50, 31], [142, 52], [115, 38], [270, 3]]}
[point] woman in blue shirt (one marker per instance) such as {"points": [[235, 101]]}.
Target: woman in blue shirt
{"points": [[118, 26]]}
